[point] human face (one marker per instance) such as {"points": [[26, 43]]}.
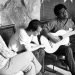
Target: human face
{"points": [[63, 14], [37, 32]]}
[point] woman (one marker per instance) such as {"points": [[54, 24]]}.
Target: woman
{"points": [[23, 60]]}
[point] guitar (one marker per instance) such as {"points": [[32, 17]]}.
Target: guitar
{"points": [[34, 44], [51, 47]]}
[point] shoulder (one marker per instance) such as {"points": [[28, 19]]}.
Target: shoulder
{"points": [[52, 22], [22, 31], [70, 21]]}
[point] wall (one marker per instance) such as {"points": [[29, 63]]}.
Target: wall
{"points": [[14, 12], [19, 11], [48, 6]]}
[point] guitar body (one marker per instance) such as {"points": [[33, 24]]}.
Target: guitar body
{"points": [[51, 47]]}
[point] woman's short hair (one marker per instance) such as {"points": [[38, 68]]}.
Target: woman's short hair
{"points": [[33, 25], [57, 9]]}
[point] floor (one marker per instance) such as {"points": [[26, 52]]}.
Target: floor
{"points": [[57, 71]]}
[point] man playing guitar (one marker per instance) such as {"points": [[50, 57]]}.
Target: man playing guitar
{"points": [[61, 21]]}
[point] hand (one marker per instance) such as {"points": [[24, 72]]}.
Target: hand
{"points": [[42, 46], [56, 39], [53, 38]]}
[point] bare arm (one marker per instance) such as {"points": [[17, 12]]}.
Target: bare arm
{"points": [[50, 37], [32, 47]]}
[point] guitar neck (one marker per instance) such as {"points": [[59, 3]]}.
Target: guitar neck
{"points": [[68, 34]]}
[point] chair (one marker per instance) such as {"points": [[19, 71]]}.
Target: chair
{"points": [[58, 61], [6, 32]]}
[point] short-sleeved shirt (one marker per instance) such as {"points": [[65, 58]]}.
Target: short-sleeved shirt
{"points": [[56, 25], [21, 40]]}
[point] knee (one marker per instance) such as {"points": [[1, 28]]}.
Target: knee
{"points": [[30, 55], [37, 71], [38, 68], [30, 67], [33, 68], [42, 52]]}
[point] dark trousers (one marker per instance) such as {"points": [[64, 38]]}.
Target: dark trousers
{"points": [[39, 54], [67, 51]]}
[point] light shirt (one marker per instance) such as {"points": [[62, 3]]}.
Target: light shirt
{"points": [[5, 53], [21, 41]]}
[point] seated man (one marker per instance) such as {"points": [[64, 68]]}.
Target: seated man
{"points": [[13, 61], [62, 21]]}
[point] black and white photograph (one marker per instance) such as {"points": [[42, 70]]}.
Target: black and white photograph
{"points": [[37, 37]]}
